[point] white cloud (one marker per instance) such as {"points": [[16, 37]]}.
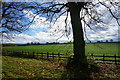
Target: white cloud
{"points": [[58, 29], [39, 22], [110, 33], [38, 37]]}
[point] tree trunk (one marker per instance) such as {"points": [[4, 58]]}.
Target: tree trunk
{"points": [[79, 57]]}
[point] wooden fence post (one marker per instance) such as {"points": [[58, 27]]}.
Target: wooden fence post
{"points": [[103, 57], [59, 55], [42, 55], [47, 55], [92, 55], [53, 55], [115, 59]]}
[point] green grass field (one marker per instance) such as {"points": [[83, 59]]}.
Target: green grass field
{"points": [[95, 48], [14, 68]]}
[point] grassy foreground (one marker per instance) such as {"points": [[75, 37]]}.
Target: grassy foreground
{"points": [[95, 48], [28, 69]]}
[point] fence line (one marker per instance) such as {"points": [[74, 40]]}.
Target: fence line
{"points": [[115, 58], [48, 55]]}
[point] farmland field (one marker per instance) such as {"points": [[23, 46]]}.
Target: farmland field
{"points": [[28, 68], [95, 48]]}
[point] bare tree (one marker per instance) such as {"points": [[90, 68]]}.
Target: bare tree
{"points": [[80, 12], [14, 18]]}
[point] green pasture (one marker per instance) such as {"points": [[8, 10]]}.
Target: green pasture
{"points": [[95, 48], [28, 69], [14, 68]]}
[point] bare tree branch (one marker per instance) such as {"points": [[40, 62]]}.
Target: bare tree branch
{"points": [[111, 13], [50, 11]]}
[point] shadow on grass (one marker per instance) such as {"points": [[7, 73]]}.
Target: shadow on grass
{"points": [[80, 72], [18, 54], [29, 79]]}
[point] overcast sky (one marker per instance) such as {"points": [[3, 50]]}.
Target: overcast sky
{"points": [[41, 31]]}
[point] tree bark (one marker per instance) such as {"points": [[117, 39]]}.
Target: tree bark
{"points": [[79, 57]]}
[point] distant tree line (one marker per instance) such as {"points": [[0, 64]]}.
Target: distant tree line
{"points": [[8, 44], [37, 43], [52, 43], [101, 41], [47, 43]]}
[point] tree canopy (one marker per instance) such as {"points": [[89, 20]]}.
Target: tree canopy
{"points": [[14, 19]]}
